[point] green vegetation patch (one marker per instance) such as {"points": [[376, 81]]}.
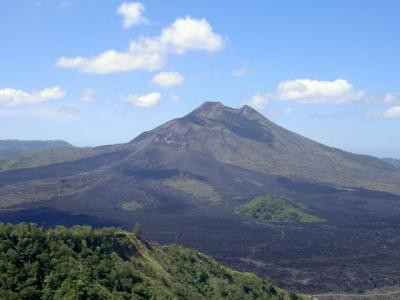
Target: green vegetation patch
{"points": [[273, 208], [109, 263], [132, 206]]}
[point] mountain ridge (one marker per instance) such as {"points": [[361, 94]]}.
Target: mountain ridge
{"points": [[12, 147], [218, 119]]}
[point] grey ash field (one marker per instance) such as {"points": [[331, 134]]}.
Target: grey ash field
{"points": [[184, 181]]}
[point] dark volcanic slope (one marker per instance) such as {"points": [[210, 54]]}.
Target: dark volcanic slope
{"points": [[183, 180]]}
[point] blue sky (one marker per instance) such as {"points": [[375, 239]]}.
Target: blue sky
{"points": [[101, 72]]}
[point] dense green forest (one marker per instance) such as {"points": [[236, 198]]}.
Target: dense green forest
{"points": [[109, 263], [272, 208]]}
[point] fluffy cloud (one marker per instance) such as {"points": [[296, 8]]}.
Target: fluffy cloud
{"points": [[144, 101], [75, 62], [168, 79], [87, 95], [13, 97], [191, 34], [390, 113], [339, 91], [132, 14], [308, 91], [150, 53], [143, 54]]}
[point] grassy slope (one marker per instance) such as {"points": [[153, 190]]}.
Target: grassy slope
{"points": [[82, 263], [271, 208]]}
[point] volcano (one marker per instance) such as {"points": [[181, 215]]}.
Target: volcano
{"points": [[184, 180]]}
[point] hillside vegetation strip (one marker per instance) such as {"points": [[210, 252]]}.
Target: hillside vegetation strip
{"points": [[109, 263]]}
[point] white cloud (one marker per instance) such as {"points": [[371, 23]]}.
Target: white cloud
{"points": [[13, 97], [132, 14], [75, 62], [191, 34], [150, 53], [168, 79], [392, 113], [143, 54], [309, 91], [339, 91], [258, 101], [240, 72], [147, 100], [87, 95]]}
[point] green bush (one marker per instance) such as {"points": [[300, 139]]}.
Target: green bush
{"points": [[271, 208]]}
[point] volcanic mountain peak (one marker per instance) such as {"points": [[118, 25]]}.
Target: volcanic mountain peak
{"points": [[208, 108], [248, 110], [211, 119], [219, 112], [244, 138]]}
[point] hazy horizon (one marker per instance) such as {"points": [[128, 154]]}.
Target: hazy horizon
{"points": [[378, 152], [74, 69]]}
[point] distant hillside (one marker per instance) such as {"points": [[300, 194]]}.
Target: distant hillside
{"points": [[51, 155], [45, 156], [393, 161], [82, 263], [11, 148]]}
